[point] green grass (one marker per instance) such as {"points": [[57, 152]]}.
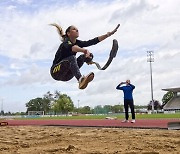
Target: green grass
{"points": [[158, 116], [119, 116]]}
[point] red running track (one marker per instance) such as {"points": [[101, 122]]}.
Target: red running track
{"points": [[145, 123]]}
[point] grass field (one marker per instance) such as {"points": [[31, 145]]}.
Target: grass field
{"points": [[119, 116]]}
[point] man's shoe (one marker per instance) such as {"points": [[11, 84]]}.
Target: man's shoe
{"points": [[125, 121], [133, 121], [84, 80]]}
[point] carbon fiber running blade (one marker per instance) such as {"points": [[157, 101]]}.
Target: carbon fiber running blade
{"points": [[114, 49]]}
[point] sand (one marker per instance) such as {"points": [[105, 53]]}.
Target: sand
{"points": [[61, 140]]}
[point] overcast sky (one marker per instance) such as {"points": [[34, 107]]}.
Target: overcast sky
{"points": [[28, 45]]}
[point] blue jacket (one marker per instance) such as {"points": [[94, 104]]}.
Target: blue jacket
{"points": [[128, 90]]}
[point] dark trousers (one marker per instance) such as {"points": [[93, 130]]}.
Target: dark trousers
{"points": [[127, 104], [68, 68]]}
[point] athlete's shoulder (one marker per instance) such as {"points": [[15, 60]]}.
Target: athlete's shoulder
{"points": [[66, 43], [78, 41]]}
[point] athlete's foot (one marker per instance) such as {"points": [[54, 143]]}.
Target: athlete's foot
{"points": [[125, 121], [84, 80], [133, 121]]}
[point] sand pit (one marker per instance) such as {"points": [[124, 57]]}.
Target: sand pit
{"points": [[60, 140]]}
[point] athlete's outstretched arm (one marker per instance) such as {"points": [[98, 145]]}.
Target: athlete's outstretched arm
{"points": [[103, 37]]}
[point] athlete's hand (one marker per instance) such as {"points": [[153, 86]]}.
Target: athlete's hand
{"points": [[87, 53], [112, 32]]}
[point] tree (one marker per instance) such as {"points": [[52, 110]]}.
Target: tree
{"points": [[107, 108], [85, 110], [49, 96], [157, 105], [57, 103], [38, 104], [98, 109], [117, 108], [2, 112], [57, 94], [167, 97], [63, 104]]}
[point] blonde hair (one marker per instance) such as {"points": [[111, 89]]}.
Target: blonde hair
{"points": [[60, 31]]}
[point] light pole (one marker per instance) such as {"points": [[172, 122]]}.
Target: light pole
{"points": [[2, 110], [78, 106], [150, 59], [2, 105]]}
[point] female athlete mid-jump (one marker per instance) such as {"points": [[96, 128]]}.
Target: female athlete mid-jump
{"points": [[65, 64]]}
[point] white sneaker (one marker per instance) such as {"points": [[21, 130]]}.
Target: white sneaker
{"points": [[124, 121], [84, 80], [133, 121]]}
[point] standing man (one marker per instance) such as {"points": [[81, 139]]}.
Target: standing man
{"points": [[128, 99]]}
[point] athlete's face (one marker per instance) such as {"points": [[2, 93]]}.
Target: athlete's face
{"points": [[73, 32]]}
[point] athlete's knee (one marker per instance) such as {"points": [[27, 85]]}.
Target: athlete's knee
{"points": [[72, 58]]}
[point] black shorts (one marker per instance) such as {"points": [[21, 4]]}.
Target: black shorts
{"points": [[61, 71]]}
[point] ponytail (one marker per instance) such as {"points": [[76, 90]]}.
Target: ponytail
{"points": [[60, 31]]}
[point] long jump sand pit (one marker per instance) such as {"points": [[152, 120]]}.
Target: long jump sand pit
{"points": [[86, 140]]}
